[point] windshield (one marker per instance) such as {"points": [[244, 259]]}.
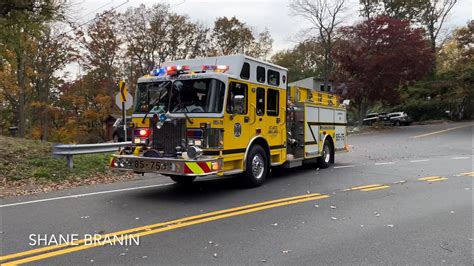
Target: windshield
{"points": [[148, 94], [197, 96]]}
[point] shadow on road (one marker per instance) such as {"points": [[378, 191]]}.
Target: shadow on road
{"points": [[214, 187]]}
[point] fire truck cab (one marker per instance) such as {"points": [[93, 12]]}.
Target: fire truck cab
{"points": [[229, 115]]}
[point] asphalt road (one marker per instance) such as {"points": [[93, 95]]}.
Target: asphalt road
{"points": [[401, 196]]}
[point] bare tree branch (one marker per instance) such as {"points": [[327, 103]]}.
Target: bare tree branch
{"points": [[323, 16]]}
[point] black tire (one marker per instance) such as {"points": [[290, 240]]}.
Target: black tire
{"points": [[256, 167], [397, 123], [328, 155], [182, 180]]}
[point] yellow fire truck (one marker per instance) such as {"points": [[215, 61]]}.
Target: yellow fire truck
{"points": [[229, 115]]}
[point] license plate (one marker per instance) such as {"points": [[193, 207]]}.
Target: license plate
{"points": [[152, 166]]}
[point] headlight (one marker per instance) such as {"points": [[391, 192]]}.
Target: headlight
{"points": [[194, 152], [139, 141]]}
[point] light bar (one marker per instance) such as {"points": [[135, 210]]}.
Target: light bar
{"points": [[217, 68], [173, 70], [158, 71]]}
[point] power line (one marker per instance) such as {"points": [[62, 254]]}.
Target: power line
{"points": [[95, 10], [94, 18]]}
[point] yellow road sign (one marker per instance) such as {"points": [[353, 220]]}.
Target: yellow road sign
{"points": [[123, 91]]}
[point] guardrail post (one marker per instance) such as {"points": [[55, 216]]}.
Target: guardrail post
{"points": [[70, 163]]}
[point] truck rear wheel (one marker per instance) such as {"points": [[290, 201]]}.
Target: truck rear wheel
{"points": [[181, 179], [256, 169], [327, 157]]}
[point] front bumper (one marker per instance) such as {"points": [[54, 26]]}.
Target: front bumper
{"points": [[169, 166]]}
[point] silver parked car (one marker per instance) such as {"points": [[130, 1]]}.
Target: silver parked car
{"points": [[399, 119]]}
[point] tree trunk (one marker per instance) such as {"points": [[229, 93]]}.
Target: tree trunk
{"points": [[362, 112], [21, 94], [326, 68], [45, 111], [431, 30]]}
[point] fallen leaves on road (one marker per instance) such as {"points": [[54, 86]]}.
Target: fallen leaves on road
{"points": [[446, 246]]}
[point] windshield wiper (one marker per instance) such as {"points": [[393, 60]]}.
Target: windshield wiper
{"points": [[186, 115], [153, 106]]}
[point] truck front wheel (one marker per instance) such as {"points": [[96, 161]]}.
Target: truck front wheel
{"points": [[256, 169], [181, 179]]}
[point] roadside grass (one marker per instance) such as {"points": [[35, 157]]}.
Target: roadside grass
{"points": [[22, 159]]}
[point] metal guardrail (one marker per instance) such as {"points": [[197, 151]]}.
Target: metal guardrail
{"points": [[69, 150]]}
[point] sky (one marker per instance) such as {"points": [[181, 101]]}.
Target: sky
{"points": [[275, 15]]}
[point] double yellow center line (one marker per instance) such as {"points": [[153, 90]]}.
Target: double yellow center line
{"points": [[467, 174], [368, 187], [433, 178], [57, 250]]}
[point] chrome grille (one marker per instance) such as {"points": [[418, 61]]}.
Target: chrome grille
{"points": [[170, 135]]}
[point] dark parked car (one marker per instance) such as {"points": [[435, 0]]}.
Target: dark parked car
{"points": [[373, 117], [399, 118], [118, 135]]}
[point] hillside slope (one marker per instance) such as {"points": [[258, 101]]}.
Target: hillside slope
{"points": [[26, 166]]}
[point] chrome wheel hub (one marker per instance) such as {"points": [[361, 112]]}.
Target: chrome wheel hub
{"points": [[258, 166], [326, 154]]}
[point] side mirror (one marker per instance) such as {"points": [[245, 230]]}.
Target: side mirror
{"points": [[346, 103], [238, 106]]}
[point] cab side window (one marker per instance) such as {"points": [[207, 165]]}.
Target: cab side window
{"points": [[260, 101], [261, 74], [237, 89], [273, 77], [273, 99], [245, 73]]}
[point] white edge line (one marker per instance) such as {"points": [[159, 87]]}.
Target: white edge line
{"points": [[459, 158], [343, 166], [83, 195], [385, 163], [419, 161]]}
